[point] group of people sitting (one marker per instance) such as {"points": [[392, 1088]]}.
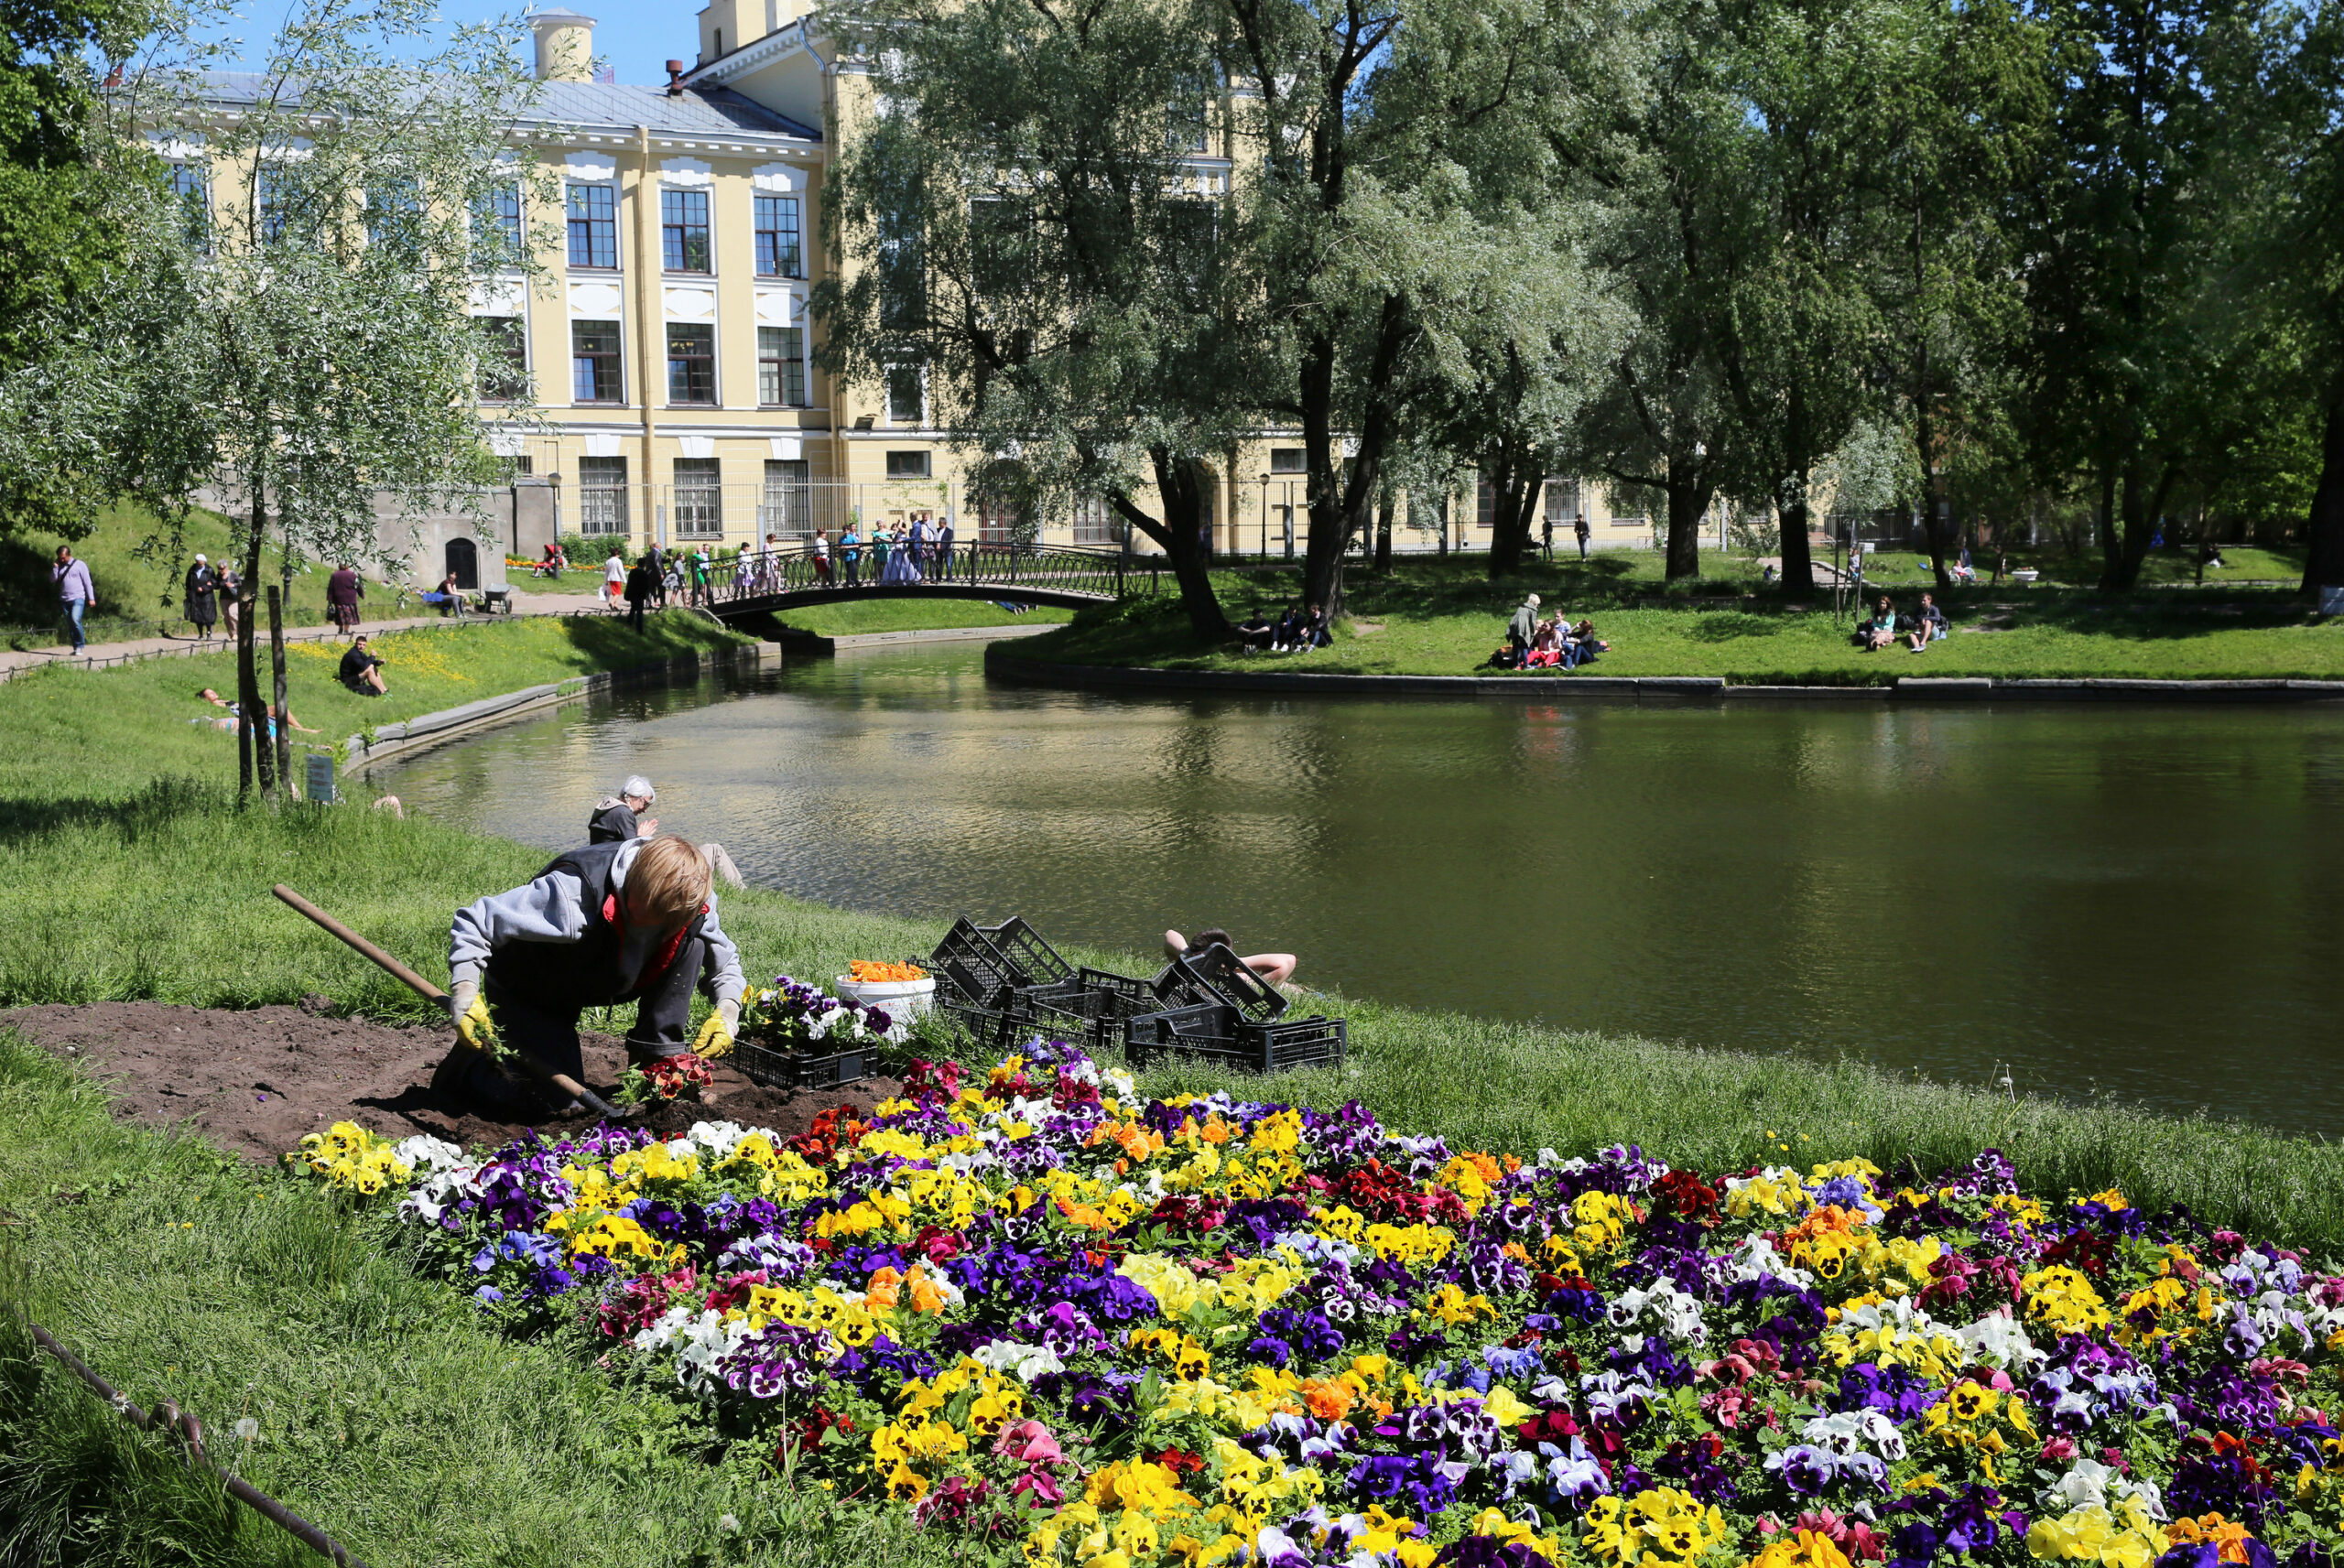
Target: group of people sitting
{"points": [[1552, 644], [1918, 630], [1298, 630]]}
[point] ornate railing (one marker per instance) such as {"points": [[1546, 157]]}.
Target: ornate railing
{"points": [[795, 570]]}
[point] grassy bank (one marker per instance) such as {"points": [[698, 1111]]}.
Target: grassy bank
{"points": [[131, 563], [388, 1412], [97, 734], [1444, 618], [855, 616]]}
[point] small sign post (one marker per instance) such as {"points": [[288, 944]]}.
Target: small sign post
{"points": [[318, 782]]}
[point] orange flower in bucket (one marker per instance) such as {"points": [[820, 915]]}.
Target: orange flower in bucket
{"points": [[871, 972]]}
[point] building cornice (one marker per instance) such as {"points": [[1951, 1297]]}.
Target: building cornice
{"points": [[771, 49]]}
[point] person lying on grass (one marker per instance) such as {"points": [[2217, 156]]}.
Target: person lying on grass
{"points": [[237, 716], [601, 925], [1276, 968]]}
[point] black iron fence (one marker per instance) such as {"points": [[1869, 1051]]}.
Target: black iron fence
{"points": [[800, 569]]}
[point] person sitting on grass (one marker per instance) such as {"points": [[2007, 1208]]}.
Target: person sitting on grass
{"points": [[1587, 644], [1316, 629], [1276, 968], [1929, 625], [619, 817], [1254, 632], [1288, 634], [362, 670], [1879, 632]]}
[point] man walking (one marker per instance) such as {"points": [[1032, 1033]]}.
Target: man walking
{"points": [[851, 553], [641, 584], [632, 921], [75, 593], [1580, 529], [657, 559], [944, 551]]}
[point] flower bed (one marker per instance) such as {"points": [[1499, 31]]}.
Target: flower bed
{"points": [[1112, 1333]]}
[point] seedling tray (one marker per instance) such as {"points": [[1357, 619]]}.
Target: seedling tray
{"points": [[1210, 1032], [777, 1069], [1214, 974], [1030, 961]]}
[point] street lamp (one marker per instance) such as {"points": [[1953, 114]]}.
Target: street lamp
{"points": [[1265, 517]]}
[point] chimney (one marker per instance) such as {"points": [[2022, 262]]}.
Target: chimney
{"points": [[565, 44], [675, 78]]}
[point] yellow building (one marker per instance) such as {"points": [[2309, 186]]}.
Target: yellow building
{"points": [[670, 356]]}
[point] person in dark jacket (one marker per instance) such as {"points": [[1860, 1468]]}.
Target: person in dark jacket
{"points": [[202, 603], [600, 927], [361, 670], [642, 584], [343, 591], [619, 817]]}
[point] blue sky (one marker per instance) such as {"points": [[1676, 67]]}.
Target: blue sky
{"points": [[633, 36]]}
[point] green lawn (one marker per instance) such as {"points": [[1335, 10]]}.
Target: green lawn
{"points": [[853, 616], [130, 558], [1445, 618], [82, 732], [389, 1413]]}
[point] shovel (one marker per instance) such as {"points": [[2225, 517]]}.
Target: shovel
{"points": [[432, 993]]}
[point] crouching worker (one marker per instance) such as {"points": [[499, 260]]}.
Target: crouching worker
{"points": [[632, 921]]}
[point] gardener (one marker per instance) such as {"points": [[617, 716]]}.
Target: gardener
{"points": [[619, 817], [631, 921]]}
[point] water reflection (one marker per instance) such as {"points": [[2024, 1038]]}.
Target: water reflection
{"points": [[2138, 900]]}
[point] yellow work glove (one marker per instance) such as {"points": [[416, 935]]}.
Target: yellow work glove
{"points": [[715, 1036], [473, 1023]]}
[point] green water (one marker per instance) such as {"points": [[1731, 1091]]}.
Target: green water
{"points": [[2136, 900]]}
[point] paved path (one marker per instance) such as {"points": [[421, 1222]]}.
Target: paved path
{"points": [[102, 655]]}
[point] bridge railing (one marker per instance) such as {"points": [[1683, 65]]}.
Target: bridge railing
{"points": [[797, 569]]}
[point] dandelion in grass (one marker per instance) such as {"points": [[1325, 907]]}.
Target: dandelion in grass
{"points": [[246, 1428]]}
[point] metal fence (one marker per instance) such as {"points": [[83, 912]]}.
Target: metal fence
{"points": [[756, 575]]}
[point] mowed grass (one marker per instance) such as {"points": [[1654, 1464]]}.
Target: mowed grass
{"points": [[1446, 617], [853, 616], [76, 732], [390, 1413], [386, 1413], [139, 594]]}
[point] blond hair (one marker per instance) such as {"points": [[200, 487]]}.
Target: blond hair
{"points": [[668, 881]]}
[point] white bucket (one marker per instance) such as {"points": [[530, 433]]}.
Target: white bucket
{"points": [[901, 1000]]}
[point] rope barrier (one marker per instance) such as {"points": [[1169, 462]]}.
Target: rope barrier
{"points": [[183, 1429]]}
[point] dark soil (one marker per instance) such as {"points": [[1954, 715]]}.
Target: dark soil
{"points": [[254, 1082]]}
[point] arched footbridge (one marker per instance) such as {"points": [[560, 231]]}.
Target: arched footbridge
{"points": [[766, 582]]}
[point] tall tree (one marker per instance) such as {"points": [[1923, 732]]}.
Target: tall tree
{"points": [[2309, 264], [57, 237], [1043, 221], [1958, 118], [298, 328], [2160, 108]]}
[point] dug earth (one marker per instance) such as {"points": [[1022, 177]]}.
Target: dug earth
{"points": [[254, 1081]]}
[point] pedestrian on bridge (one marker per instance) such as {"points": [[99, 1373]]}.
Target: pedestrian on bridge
{"points": [[822, 558], [851, 554], [944, 549]]}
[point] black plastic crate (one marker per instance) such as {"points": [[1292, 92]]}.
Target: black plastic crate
{"points": [[794, 1070], [971, 966], [989, 1028], [1205, 1027], [1093, 1008], [1031, 961], [1214, 974], [1218, 1036]]}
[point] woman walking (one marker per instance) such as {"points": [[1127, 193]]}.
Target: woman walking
{"points": [[203, 602]]}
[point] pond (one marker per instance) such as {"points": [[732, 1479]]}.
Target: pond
{"points": [[2136, 900]]}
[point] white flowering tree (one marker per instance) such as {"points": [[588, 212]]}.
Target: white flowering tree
{"points": [[293, 321]]}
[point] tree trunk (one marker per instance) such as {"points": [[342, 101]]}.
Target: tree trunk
{"points": [[252, 728], [278, 707], [2140, 505], [2112, 550], [1799, 559], [1688, 502], [2323, 528], [1181, 484], [1513, 501], [1933, 519], [1383, 532]]}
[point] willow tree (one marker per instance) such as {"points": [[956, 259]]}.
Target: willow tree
{"points": [[1041, 229], [291, 319]]}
